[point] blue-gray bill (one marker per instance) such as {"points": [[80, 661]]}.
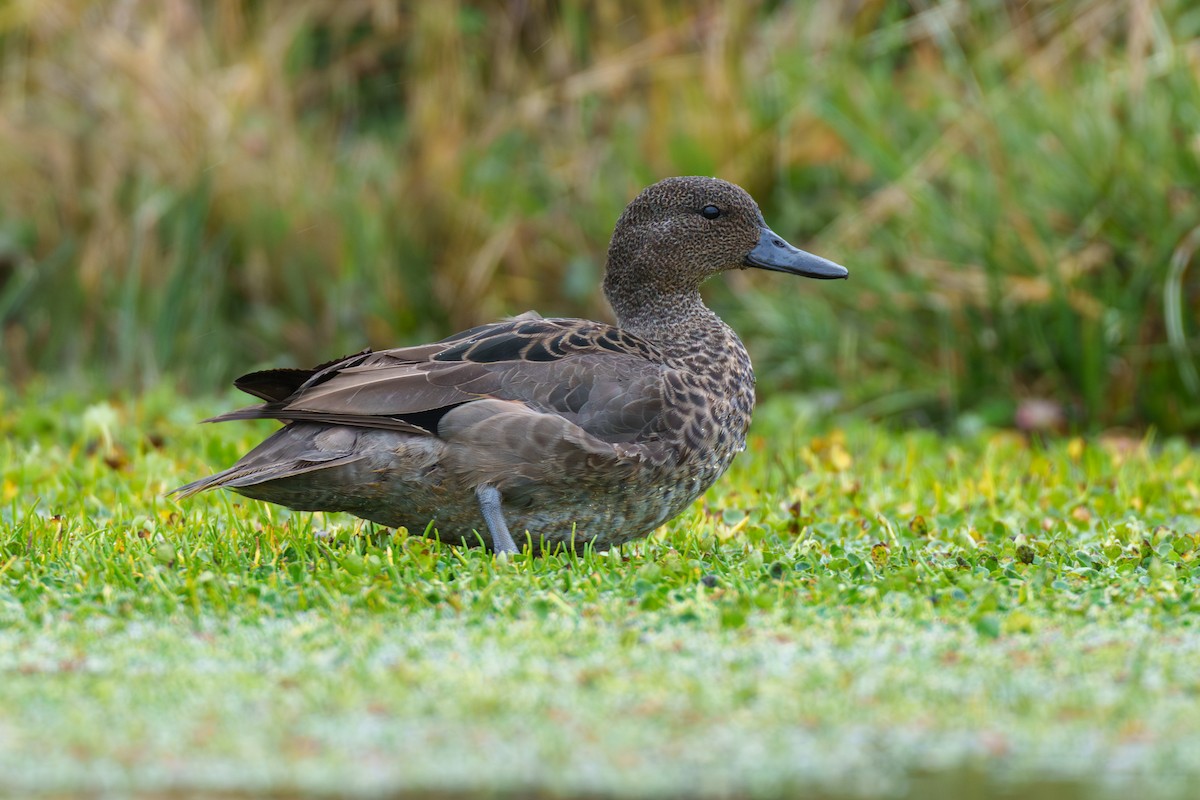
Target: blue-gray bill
{"points": [[774, 253]]}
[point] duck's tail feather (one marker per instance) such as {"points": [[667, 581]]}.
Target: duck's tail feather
{"points": [[289, 452]]}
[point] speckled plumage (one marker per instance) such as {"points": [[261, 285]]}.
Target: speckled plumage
{"points": [[590, 432]]}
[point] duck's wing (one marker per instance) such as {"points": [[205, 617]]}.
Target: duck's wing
{"points": [[277, 385], [606, 381]]}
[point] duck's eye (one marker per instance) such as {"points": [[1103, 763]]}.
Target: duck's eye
{"points": [[710, 212]]}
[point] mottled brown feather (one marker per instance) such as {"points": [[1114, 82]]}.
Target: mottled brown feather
{"points": [[612, 395]]}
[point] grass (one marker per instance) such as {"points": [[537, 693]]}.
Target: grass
{"points": [[189, 187], [851, 612]]}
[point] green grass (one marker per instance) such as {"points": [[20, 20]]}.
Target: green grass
{"points": [[851, 612]]}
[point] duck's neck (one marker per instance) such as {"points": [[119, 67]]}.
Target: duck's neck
{"points": [[655, 302], [666, 308], [660, 317], [686, 331]]}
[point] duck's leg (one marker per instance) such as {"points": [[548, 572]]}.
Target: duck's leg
{"points": [[493, 515]]}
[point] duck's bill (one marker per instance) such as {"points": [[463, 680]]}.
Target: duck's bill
{"points": [[773, 253]]}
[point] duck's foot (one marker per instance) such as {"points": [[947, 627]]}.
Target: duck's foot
{"points": [[493, 515]]}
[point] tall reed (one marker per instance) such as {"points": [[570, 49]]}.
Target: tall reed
{"points": [[191, 189]]}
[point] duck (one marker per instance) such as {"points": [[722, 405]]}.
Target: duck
{"points": [[569, 432]]}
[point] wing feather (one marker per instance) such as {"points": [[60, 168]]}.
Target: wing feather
{"points": [[605, 381]]}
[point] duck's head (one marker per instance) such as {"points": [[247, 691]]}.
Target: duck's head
{"points": [[680, 231]]}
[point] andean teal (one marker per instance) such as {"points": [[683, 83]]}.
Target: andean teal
{"points": [[564, 430]]}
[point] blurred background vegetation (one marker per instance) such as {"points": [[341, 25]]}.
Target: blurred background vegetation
{"points": [[189, 189]]}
